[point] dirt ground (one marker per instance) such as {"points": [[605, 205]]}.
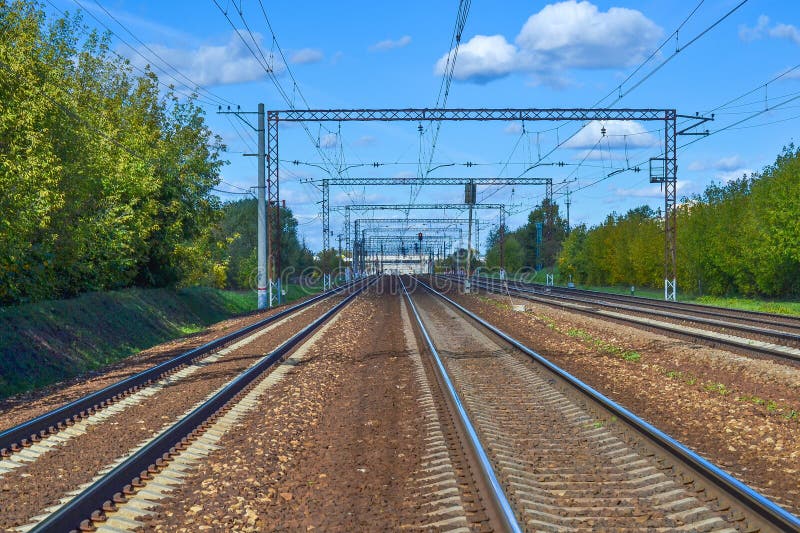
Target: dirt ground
{"points": [[332, 448]]}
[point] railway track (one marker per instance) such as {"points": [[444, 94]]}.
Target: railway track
{"points": [[740, 335], [556, 455], [61, 468], [756, 318]]}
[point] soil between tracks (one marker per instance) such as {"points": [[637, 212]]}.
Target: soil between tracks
{"points": [[332, 448], [704, 397]]}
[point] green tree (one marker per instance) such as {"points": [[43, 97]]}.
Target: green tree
{"points": [[554, 231]]}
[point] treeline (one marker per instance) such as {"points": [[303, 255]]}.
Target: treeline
{"points": [[739, 238], [237, 237], [535, 245], [104, 180]]}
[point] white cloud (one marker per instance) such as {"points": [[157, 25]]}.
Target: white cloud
{"points": [[513, 128], [481, 59], [306, 55], [329, 140], [649, 191], [785, 31], [562, 36], [210, 65], [366, 140], [762, 29], [578, 35], [390, 44], [726, 164], [600, 154], [618, 134], [732, 174]]}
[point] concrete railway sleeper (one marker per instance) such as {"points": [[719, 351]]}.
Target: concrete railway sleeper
{"points": [[565, 457], [18, 439], [770, 343], [138, 476]]}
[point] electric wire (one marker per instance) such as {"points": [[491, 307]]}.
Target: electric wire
{"points": [[191, 83]]}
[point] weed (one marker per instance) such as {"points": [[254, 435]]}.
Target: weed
{"points": [[632, 356], [717, 387]]}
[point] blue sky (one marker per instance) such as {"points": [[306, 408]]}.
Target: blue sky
{"points": [[362, 54]]}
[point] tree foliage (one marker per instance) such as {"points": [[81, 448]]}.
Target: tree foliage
{"points": [[522, 246], [105, 179], [740, 237], [237, 235]]}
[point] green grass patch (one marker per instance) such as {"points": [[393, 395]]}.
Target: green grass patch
{"points": [[719, 388], [45, 342], [603, 346], [689, 379], [748, 304], [771, 406]]}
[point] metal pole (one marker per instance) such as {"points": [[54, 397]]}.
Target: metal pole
{"points": [[339, 272], [502, 238], [263, 283], [469, 251]]}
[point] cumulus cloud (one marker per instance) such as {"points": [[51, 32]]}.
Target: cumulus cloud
{"points": [[725, 164], [306, 55], [733, 174], [329, 140], [618, 134], [481, 59], [562, 36], [390, 44], [514, 128], [763, 29], [210, 65]]}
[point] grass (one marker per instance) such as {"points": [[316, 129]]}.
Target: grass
{"points": [[603, 346], [750, 304], [45, 342], [584, 336], [783, 307]]}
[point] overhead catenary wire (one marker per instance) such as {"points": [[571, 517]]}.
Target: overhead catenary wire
{"points": [[167, 86], [188, 81], [618, 90]]}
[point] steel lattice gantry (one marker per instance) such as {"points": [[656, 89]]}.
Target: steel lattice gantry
{"points": [[403, 207], [667, 116]]}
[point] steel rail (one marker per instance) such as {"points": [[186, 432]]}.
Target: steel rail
{"points": [[496, 494], [742, 343], [754, 316], [39, 427], [631, 306], [757, 504], [69, 516]]}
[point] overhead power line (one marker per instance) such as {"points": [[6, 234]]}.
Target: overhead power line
{"points": [[127, 60], [619, 89]]}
